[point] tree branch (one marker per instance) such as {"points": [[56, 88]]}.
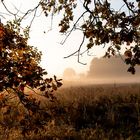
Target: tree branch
{"points": [[73, 28], [125, 1], [30, 11], [14, 14], [33, 18], [78, 51]]}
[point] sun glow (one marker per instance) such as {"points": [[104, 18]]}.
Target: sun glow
{"points": [[48, 39]]}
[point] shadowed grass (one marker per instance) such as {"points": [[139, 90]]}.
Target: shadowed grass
{"points": [[90, 112]]}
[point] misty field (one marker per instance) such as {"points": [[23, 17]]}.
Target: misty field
{"points": [[89, 112]]}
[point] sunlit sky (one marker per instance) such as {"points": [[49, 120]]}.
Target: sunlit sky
{"points": [[49, 42]]}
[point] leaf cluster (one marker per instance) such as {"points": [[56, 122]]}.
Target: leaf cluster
{"points": [[60, 6], [20, 70], [101, 24]]}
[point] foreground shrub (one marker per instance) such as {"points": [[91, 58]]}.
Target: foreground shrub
{"points": [[20, 70]]}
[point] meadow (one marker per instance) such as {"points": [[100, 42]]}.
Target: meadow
{"points": [[85, 112]]}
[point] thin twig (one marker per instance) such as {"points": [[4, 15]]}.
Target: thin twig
{"points": [[71, 54], [29, 11], [33, 18], [128, 6], [121, 7], [32, 89], [73, 28], [78, 52], [14, 14]]}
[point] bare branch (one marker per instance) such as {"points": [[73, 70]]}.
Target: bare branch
{"points": [[30, 11], [73, 28], [14, 14], [33, 18], [78, 52], [87, 51], [2, 14], [125, 1], [121, 7], [32, 90], [2, 17], [71, 54]]}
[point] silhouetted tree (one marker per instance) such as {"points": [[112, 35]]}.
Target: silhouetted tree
{"points": [[111, 69], [100, 22], [20, 70], [69, 74]]}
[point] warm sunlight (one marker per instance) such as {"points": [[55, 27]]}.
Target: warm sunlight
{"points": [[48, 41], [45, 36], [69, 70]]}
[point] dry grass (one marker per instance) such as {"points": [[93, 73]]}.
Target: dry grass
{"points": [[106, 112]]}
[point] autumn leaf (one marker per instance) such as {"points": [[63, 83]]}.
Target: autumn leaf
{"points": [[1, 96], [128, 53], [2, 33], [54, 87], [59, 84]]}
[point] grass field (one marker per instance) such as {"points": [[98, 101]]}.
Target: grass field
{"points": [[87, 112]]}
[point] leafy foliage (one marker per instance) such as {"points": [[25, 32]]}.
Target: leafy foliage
{"points": [[19, 63], [19, 71], [102, 24]]}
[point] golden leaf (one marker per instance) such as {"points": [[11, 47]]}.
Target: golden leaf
{"points": [[1, 32], [1, 96], [128, 53]]}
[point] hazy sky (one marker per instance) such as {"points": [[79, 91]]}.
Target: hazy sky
{"points": [[49, 43]]}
